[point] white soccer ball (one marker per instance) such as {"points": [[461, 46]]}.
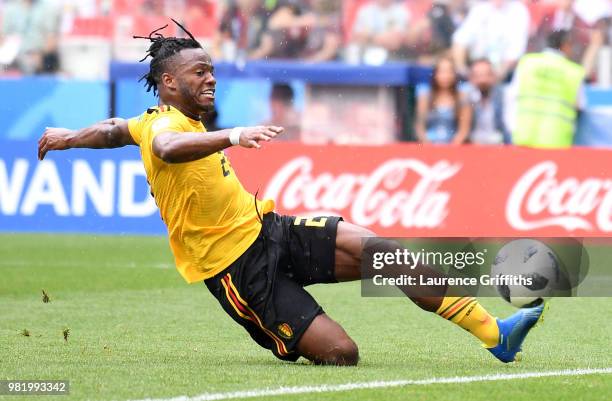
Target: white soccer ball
{"points": [[535, 265]]}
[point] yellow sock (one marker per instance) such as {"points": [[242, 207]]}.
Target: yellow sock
{"points": [[466, 312]]}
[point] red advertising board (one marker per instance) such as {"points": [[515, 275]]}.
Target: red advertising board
{"points": [[414, 190]]}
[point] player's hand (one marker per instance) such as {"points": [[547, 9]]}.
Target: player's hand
{"points": [[53, 139], [251, 136]]}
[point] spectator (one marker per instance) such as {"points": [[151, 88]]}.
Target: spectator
{"points": [[310, 31], [593, 11], [379, 31], [486, 99], [563, 17], [153, 8], [241, 31], [598, 14], [287, 29], [324, 33], [84, 8], [283, 112], [496, 30], [200, 7], [607, 29], [30, 29], [430, 36], [419, 9], [596, 42], [458, 10], [549, 91], [443, 113]]}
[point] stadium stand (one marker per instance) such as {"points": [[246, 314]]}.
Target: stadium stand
{"points": [[97, 34]]}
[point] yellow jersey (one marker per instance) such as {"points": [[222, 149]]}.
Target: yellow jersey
{"points": [[211, 218]]}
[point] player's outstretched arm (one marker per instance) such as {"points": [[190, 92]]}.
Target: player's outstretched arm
{"points": [[173, 147], [111, 133]]}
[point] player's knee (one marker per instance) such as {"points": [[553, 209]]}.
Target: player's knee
{"points": [[343, 353], [346, 353]]}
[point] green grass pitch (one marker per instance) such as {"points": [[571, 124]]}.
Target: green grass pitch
{"points": [[137, 330]]}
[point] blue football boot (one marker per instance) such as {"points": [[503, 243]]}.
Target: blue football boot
{"points": [[513, 330]]}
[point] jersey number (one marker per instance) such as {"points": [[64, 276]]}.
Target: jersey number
{"points": [[310, 222], [225, 166]]}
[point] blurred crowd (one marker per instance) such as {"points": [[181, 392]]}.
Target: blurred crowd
{"points": [[478, 41], [356, 31], [538, 108]]}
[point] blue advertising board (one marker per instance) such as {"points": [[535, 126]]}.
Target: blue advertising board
{"points": [[29, 105], [80, 190]]}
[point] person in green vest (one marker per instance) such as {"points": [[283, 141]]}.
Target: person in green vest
{"points": [[549, 93]]}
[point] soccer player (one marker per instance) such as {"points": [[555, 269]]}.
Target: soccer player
{"points": [[254, 261]]}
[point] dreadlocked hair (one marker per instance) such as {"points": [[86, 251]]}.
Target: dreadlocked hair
{"points": [[161, 50]]}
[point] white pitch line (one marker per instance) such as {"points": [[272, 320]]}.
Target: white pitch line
{"points": [[325, 388]]}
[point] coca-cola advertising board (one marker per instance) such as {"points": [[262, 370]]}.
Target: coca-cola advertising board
{"points": [[403, 190], [413, 190]]}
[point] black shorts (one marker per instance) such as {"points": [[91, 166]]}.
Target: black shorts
{"points": [[263, 290]]}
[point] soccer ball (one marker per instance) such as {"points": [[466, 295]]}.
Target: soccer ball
{"points": [[535, 265]]}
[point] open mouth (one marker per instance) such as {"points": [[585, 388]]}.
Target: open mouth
{"points": [[209, 93]]}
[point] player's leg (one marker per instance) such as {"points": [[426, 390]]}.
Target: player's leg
{"points": [[349, 251], [310, 259], [326, 343], [315, 336], [263, 291], [502, 337]]}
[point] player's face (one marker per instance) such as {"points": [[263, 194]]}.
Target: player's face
{"points": [[195, 79]]}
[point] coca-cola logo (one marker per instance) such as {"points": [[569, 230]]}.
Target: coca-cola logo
{"points": [[539, 199], [399, 191]]}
